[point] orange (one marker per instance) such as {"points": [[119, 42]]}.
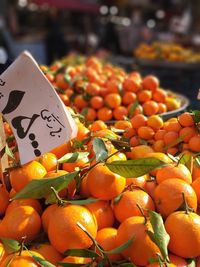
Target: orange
{"points": [[105, 133], [162, 108], [159, 95], [103, 213], [49, 161], [106, 238], [194, 143], [135, 141], [132, 85], [186, 119], [104, 114], [172, 103], [172, 171], [48, 212], [48, 252], [168, 196], [22, 221], [178, 261], [130, 132], [159, 135], [157, 264], [196, 186], [21, 176], [170, 137], [89, 113], [83, 132], [97, 102], [61, 150], [142, 248], [195, 171], [155, 122], [139, 120], [4, 199], [128, 98], [150, 82], [113, 100], [3, 253], [97, 126], [64, 98], [34, 203], [80, 102], [64, 233], [22, 260], [70, 166], [158, 146], [60, 81], [146, 132], [150, 187], [161, 156], [144, 95], [76, 260], [120, 113], [104, 184], [92, 89], [126, 207], [150, 108], [140, 151], [121, 124], [184, 233], [187, 133], [172, 126], [137, 181], [137, 110]]}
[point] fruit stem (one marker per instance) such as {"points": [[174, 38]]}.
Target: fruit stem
{"points": [[142, 212], [21, 243], [60, 202], [185, 205]]}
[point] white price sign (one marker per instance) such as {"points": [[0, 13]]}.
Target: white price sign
{"points": [[39, 119]]}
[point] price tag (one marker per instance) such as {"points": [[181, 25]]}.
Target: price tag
{"points": [[4, 158], [39, 119]]}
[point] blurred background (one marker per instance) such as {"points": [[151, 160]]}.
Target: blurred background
{"points": [[131, 33]]}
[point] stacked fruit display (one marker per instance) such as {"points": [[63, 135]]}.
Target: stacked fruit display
{"points": [[99, 90], [121, 195], [172, 52]]}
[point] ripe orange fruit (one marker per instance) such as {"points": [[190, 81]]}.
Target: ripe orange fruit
{"points": [[162, 108], [34, 203], [187, 133], [172, 171], [4, 199], [186, 119], [64, 232], [137, 181], [150, 82], [97, 126], [113, 100], [97, 102], [170, 137], [196, 187], [104, 114], [157, 264], [49, 161], [103, 213], [48, 252], [168, 196], [104, 184], [46, 215], [89, 113], [184, 233], [80, 102], [106, 238], [195, 171], [178, 261], [126, 207], [61, 150], [83, 132], [159, 135], [140, 151], [76, 260], [194, 143], [128, 98], [159, 95], [22, 260], [134, 141], [146, 132], [155, 122], [121, 124], [150, 108], [22, 221], [158, 146], [172, 126], [150, 187], [120, 113], [93, 89], [70, 166], [3, 253], [132, 85], [144, 95], [138, 120], [142, 248], [21, 176]]}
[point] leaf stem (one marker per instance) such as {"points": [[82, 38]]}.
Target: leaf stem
{"points": [[60, 202], [142, 212]]}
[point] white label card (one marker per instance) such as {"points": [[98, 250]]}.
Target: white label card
{"points": [[39, 119]]}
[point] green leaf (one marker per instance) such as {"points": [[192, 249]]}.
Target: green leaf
{"points": [[39, 188], [196, 115], [132, 109], [118, 198], [121, 144], [191, 263], [159, 235], [85, 253], [187, 160], [84, 112], [135, 168], [121, 248], [175, 142], [100, 149], [10, 245], [10, 261], [73, 157], [42, 262], [9, 152]]}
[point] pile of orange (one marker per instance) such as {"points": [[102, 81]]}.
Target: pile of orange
{"points": [[121, 209], [103, 91]]}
